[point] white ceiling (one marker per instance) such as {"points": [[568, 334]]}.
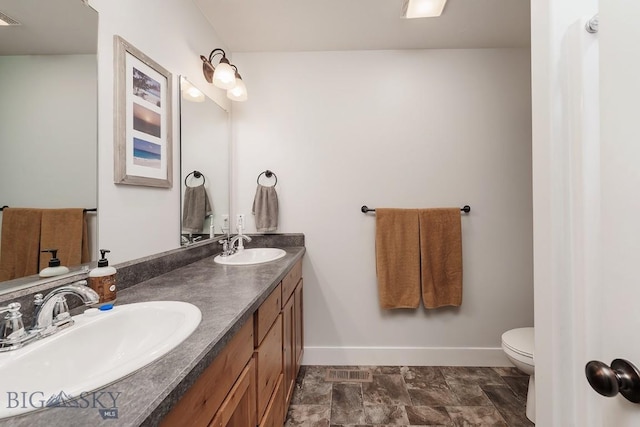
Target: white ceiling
{"points": [[49, 27], [316, 25]]}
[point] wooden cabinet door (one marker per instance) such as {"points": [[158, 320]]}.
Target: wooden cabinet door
{"points": [[288, 353], [269, 365], [274, 415], [298, 329], [239, 408]]}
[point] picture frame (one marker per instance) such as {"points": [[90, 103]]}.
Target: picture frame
{"points": [[143, 152]]}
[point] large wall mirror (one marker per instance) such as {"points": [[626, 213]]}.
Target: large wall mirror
{"points": [[204, 165], [48, 110]]}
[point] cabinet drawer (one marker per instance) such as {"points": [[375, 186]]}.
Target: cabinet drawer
{"points": [[199, 404], [290, 281], [267, 313], [274, 415], [239, 409], [268, 365]]}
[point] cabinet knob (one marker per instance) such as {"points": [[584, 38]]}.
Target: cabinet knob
{"points": [[622, 377]]}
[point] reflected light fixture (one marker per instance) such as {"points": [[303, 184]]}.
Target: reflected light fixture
{"points": [[239, 91], [422, 8], [224, 75], [190, 92]]}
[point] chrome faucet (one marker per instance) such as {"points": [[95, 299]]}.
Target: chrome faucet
{"points": [[52, 312], [238, 238]]}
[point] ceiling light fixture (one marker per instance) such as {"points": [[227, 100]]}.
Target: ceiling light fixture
{"points": [[224, 75], [6, 20], [422, 8]]}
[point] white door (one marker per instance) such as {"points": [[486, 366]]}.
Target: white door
{"points": [[619, 39]]}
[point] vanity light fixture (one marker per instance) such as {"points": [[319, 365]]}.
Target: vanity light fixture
{"points": [[422, 8], [239, 91], [224, 75], [221, 75]]}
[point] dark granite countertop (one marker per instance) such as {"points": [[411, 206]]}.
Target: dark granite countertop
{"points": [[227, 297]]}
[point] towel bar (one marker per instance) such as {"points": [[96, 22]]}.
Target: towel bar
{"points": [[365, 209], [85, 210]]}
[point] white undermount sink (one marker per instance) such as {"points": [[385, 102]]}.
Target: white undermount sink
{"points": [[99, 349], [251, 256]]}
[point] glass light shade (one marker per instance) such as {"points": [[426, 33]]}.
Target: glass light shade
{"points": [[423, 8], [239, 92], [225, 76]]}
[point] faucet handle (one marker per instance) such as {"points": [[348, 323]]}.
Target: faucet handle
{"points": [[12, 327], [61, 313], [38, 299]]}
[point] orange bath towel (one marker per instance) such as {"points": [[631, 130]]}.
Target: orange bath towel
{"points": [[65, 230], [398, 258], [20, 245], [441, 256]]}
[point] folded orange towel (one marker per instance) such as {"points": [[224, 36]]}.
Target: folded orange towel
{"points": [[20, 245], [398, 258], [441, 256], [65, 230]]}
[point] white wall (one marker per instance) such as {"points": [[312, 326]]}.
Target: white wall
{"points": [[137, 221], [419, 128], [47, 155]]}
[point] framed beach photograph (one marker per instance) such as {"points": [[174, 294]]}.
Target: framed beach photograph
{"points": [[143, 120]]}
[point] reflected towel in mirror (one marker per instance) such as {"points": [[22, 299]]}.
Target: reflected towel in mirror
{"points": [[196, 208]]}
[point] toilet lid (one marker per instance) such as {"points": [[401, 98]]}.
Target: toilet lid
{"points": [[520, 340]]}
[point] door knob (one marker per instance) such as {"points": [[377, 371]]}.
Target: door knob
{"points": [[622, 377]]}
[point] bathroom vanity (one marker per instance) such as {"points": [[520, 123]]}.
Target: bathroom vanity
{"points": [[237, 368]]}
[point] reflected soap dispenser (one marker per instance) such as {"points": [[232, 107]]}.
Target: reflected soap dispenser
{"points": [[54, 269], [103, 280]]}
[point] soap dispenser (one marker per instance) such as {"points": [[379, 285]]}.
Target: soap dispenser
{"points": [[54, 269], [103, 280]]}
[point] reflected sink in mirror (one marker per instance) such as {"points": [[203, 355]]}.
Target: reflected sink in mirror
{"points": [[100, 348], [251, 256]]}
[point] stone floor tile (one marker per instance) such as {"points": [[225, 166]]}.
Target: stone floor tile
{"points": [[510, 372], [346, 404], [312, 393], [385, 390], [422, 376], [388, 415], [465, 375], [470, 395], [432, 396], [519, 385], [475, 416], [428, 415], [510, 406], [308, 416]]}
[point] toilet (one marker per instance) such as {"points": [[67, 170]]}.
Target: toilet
{"points": [[518, 346]]}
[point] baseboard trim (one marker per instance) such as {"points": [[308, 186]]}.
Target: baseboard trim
{"points": [[405, 356]]}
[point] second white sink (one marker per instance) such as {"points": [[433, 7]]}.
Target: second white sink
{"points": [[251, 256]]}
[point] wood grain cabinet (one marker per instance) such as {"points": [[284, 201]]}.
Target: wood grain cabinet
{"points": [[292, 346], [251, 381], [212, 390]]}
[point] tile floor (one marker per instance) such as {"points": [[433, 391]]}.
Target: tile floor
{"points": [[411, 396]]}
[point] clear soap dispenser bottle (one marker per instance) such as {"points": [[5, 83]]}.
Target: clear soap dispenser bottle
{"points": [[103, 280], [54, 269]]}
